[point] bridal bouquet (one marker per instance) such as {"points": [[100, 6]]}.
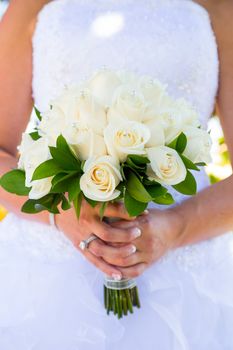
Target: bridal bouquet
{"points": [[118, 137]]}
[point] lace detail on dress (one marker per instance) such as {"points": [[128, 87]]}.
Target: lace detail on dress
{"points": [[36, 240]]}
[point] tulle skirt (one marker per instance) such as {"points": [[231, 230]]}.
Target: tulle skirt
{"points": [[51, 298]]}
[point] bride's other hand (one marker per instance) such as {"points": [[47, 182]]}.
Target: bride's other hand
{"points": [[160, 231], [89, 223]]}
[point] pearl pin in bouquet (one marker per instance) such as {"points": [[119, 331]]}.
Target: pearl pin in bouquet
{"points": [[118, 137]]}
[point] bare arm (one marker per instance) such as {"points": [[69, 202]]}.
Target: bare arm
{"points": [[16, 30], [210, 213]]}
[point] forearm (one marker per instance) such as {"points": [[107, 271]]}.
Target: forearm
{"points": [[12, 202], [206, 215]]}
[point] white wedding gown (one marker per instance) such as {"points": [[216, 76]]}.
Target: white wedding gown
{"points": [[50, 296]]}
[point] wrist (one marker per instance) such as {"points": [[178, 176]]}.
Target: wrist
{"points": [[178, 227]]}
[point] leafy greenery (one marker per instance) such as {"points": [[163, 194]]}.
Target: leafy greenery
{"points": [[38, 114], [188, 186], [136, 189], [133, 207], [179, 143], [14, 182]]}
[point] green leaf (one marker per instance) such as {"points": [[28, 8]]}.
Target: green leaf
{"points": [[132, 165], [35, 135], [77, 204], [65, 203], [133, 207], [188, 163], [46, 169], [63, 146], [14, 182], [92, 203], [48, 203], [188, 186], [102, 209], [60, 177], [156, 191], [173, 143], [29, 207], [166, 199], [38, 114], [136, 189], [181, 143], [74, 188], [200, 164], [138, 160], [65, 159], [60, 187], [148, 182]]}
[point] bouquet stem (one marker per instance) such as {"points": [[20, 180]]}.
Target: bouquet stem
{"points": [[121, 300]]}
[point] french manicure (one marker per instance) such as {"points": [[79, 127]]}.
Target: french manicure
{"points": [[137, 232], [116, 276], [146, 212], [133, 249]]}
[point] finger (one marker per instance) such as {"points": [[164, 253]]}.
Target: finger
{"points": [[111, 234], [103, 266], [116, 210], [133, 271], [107, 252], [128, 261], [124, 224]]}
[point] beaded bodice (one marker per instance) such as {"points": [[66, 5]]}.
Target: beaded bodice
{"points": [[171, 40]]}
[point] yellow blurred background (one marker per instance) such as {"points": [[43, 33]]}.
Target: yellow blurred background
{"points": [[3, 213]]}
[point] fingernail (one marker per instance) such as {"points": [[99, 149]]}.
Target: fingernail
{"points": [[146, 212], [133, 249], [116, 276], [137, 232]]}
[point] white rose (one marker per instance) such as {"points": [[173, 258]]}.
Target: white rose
{"points": [[103, 86], [157, 132], [166, 166], [40, 188], [52, 125], [100, 179], [85, 142], [23, 149], [128, 78], [128, 103], [37, 154], [173, 125], [198, 145], [80, 107], [128, 137], [187, 113], [175, 114], [152, 90]]}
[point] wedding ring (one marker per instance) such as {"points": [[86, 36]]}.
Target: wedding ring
{"points": [[83, 245]]}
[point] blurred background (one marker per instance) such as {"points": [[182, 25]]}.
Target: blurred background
{"points": [[219, 169]]}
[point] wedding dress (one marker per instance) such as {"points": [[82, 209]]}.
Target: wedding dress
{"points": [[50, 296]]}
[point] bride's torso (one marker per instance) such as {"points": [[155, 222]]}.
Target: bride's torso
{"points": [[171, 40]]}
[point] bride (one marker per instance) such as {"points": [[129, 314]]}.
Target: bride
{"points": [[51, 291]]}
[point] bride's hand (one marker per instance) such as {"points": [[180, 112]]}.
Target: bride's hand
{"points": [[89, 223], [160, 231]]}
